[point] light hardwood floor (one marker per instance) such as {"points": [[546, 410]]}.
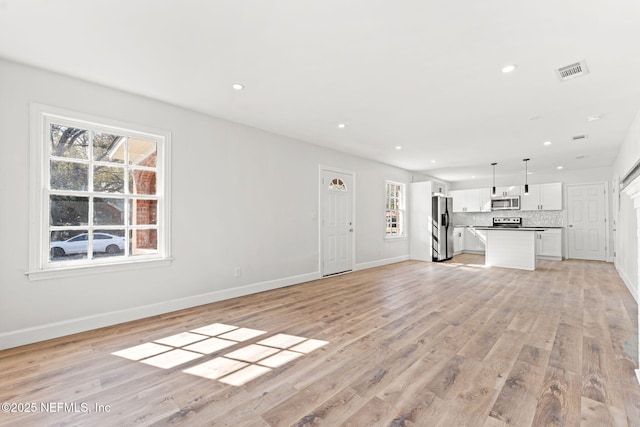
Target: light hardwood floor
{"points": [[409, 344]]}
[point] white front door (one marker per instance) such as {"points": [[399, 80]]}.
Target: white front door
{"points": [[336, 206], [587, 221]]}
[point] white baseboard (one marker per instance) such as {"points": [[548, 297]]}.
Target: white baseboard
{"points": [[628, 283], [82, 324], [380, 262], [634, 293], [550, 258]]}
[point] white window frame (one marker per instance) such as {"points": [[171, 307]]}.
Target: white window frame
{"points": [[40, 265], [402, 210]]}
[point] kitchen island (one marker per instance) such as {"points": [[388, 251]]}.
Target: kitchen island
{"points": [[511, 247]]}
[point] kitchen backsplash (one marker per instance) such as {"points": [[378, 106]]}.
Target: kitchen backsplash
{"points": [[529, 218]]}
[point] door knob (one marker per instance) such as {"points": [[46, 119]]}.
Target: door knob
{"points": [[570, 225]]}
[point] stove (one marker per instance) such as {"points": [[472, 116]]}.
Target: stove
{"points": [[507, 222]]}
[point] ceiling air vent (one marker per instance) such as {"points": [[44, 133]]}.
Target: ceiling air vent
{"points": [[572, 71], [579, 138]]}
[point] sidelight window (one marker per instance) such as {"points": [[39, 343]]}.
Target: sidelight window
{"points": [[394, 209]]}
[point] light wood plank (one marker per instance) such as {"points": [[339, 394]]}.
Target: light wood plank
{"points": [[559, 399]]}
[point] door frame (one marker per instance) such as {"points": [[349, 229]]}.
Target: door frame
{"points": [[607, 229], [322, 168]]}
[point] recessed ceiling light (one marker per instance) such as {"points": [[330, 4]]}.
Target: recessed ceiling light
{"points": [[559, 167], [473, 177], [237, 86], [509, 68], [342, 125], [594, 118], [547, 143], [433, 161], [398, 147]]}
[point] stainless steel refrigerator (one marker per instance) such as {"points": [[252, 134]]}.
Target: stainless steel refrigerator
{"points": [[442, 228]]}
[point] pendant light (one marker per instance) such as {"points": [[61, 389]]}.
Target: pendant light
{"points": [[526, 185], [493, 189]]}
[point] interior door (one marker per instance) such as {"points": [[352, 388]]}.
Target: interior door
{"points": [[587, 221], [336, 222]]}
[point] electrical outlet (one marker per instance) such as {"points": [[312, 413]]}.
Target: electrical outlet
{"points": [[237, 272]]}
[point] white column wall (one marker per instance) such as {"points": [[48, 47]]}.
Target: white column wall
{"points": [[627, 217], [627, 242], [633, 190]]}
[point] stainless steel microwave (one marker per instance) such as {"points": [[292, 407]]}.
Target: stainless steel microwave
{"points": [[509, 203]]}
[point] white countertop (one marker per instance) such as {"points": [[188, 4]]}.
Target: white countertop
{"points": [[488, 227], [512, 228]]}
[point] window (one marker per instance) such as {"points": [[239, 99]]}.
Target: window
{"points": [[337, 184], [394, 209], [99, 192]]}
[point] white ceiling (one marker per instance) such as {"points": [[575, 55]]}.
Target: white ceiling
{"points": [[422, 74]]}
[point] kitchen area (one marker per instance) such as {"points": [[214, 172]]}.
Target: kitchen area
{"points": [[512, 229]]}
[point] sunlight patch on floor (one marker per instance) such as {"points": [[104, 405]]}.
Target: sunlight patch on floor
{"points": [[210, 345], [216, 368], [282, 341], [309, 345], [242, 334], [171, 359], [142, 351], [234, 368], [252, 353], [214, 329], [281, 358], [460, 264], [180, 340], [244, 375]]}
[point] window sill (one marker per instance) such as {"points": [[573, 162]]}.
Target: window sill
{"points": [[62, 272], [395, 238]]}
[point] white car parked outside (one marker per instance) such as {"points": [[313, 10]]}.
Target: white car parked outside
{"points": [[102, 242]]}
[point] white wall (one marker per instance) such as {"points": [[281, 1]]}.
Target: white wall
{"points": [[242, 197], [626, 244]]}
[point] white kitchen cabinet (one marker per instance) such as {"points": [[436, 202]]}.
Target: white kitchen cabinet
{"points": [[484, 197], [470, 241], [542, 197], [481, 235], [551, 196], [458, 240], [549, 244], [474, 200], [459, 200], [474, 240], [513, 190], [531, 201], [438, 188]]}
